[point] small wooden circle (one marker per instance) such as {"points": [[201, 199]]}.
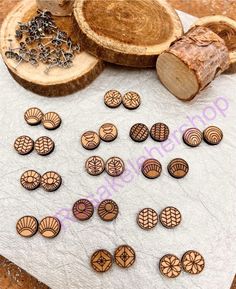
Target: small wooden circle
{"points": [[139, 132], [95, 165], [30, 180], [113, 98], [49, 227], [27, 226], [151, 168], [108, 210], [193, 262], [44, 145], [108, 132], [83, 209], [170, 266], [24, 145], [101, 261], [192, 137], [33, 116], [51, 120], [131, 100], [51, 181], [159, 132], [213, 135], [114, 166], [178, 168], [170, 217], [124, 256], [147, 219], [90, 140]]}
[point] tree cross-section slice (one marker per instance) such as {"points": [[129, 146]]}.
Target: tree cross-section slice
{"points": [[127, 32], [225, 28], [58, 81]]}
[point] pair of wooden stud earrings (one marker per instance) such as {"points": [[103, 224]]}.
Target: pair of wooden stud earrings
{"points": [[28, 226], [191, 262], [49, 181], [50, 120], [43, 145], [107, 210], [177, 168], [107, 132], [102, 260], [130, 100]]}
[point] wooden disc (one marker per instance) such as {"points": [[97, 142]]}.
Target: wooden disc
{"points": [[51, 181], [170, 266], [170, 217], [90, 140], [108, 210], [24, 145], [178, 168], [131, 33], [213, 135], [131, 100], [33, 116], [101, 261], [112, 98], [159, 132], [83, 209], [124, 256], [151, 168], [139, 132], [224, 27], [59, 81], [44, 145], [114, 166], [30, 180], [27, 226], [95, 165], [108, 132], [51, 120], [147, 218], [49, 227], [193, 262], [192, 137]]}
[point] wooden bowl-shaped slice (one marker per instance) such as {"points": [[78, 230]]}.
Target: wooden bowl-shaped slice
{"points": [[226, 29], [58, 81], [127, 32]]}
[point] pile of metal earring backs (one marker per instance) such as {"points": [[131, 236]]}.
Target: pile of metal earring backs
{"points": [[41, 41]]}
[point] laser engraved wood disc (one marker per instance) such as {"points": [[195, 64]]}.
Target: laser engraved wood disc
{"points": [[108, 132], [95, 165], [101, 261], [213, 135], [178, 168], [113, 98], [44, 145], [131, 100], [159, 132], [83, 209], [124, 256], [27, 226], [24, 145], [193, 262], [147, 218], [33, 116], [90, 140], [192, 137], [30, 180], [114, 166], [49, 227], [51, 120], [170, 217], [108, 210], [151, 168], [170, 266], [51, 181], [139, 132]]}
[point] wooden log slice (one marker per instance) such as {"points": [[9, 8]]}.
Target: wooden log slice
{"points": [[192, 62], [59, 81], [226, 29], [127, 32]]}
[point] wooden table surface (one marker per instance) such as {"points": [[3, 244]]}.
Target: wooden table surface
{"points": [[195, 7]]}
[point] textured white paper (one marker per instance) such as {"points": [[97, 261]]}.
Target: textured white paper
{"points": [[206, 197]]}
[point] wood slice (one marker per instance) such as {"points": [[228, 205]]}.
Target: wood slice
{"points": [[127, 32], [56, 7], [192, 62], [59, 81], [226, 29]]}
